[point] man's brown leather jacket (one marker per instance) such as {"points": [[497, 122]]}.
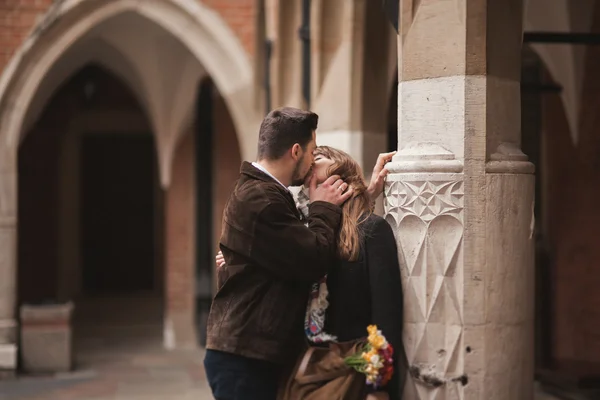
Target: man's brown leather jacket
{"points": [[272, 258]]}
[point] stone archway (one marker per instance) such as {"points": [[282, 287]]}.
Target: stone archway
{"points": [[198, 28], [191, 25], [95, 239]]}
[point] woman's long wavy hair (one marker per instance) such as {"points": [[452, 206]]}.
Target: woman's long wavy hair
{"points": [[354, 211]]}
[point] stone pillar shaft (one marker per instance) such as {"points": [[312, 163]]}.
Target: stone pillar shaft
{"points": [[8, 261], [350, 78], [460, 197]]}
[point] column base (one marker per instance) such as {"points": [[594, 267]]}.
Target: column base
{"points": [[8, 349], [179, 332], [8, 360]]}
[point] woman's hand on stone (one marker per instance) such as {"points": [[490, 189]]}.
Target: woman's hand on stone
{"points": [[377, 183]]}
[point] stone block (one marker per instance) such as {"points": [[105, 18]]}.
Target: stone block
{"points": [[8, 360], [46, 338]]}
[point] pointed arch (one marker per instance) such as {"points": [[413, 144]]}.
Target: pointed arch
{"points": [[196, 26]]}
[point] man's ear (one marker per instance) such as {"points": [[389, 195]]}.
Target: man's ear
{"points": [[296, 152]]}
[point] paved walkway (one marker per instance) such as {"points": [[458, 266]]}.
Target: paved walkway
{"points": [[151, 375], [119, 356]]}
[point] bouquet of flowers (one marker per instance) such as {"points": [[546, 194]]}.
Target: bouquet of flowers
{"points": [[375, 359]]}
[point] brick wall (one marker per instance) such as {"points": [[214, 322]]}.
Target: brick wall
{"points": [[180, 211], [18, 18], [240, 15]]}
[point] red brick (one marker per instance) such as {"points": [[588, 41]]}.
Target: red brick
{"points": [[241, 17]]}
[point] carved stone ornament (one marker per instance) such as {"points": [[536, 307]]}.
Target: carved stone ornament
{"points": [[426, 212]]}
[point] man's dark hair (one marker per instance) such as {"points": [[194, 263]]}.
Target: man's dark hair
{"points": [[282, 128]]}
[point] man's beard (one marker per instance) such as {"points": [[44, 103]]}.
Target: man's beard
{"points": [[297, 179]]}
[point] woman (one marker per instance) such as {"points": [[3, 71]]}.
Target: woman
{"points": [[365, 287]]}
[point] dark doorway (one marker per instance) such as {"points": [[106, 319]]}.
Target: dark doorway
{"points": [[117, 213]]}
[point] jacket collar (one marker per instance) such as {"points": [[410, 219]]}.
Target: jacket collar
{"points": [[255, 173], [250, 172], [263, 169]]}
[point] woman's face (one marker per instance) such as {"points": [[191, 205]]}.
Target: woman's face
{"points": [[320, 168]]}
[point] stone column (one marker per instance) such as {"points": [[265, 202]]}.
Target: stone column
{"points": [[353, 59], [8, 260], [460, 198], [337, 41], [282, 22]]}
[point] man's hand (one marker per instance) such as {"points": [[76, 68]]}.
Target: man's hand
{"points": [[333, 190], [378, 177], [220, 259], [378, 396]]}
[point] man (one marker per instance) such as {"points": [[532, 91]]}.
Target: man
{"points": [[255, 322]]}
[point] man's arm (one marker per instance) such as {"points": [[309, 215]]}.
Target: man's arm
{"points": [[285, 246]]}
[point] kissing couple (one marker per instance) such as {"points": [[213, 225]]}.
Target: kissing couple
{"points": [[302, 277]]}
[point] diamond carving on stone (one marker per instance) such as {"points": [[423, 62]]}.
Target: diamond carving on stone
{"points": [[427, 216]]}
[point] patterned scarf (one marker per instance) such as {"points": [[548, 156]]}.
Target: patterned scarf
{"points": [[314, 321]]}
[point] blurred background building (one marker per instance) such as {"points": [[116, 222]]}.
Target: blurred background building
{"points": [[123, 124]]}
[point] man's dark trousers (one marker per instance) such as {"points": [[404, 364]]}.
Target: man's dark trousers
{"points": [[233, 377]]}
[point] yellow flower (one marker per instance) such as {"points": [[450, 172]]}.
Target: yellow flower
{"points": [[367, 356], [375, 338], [379, 342], [372, 329]]}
